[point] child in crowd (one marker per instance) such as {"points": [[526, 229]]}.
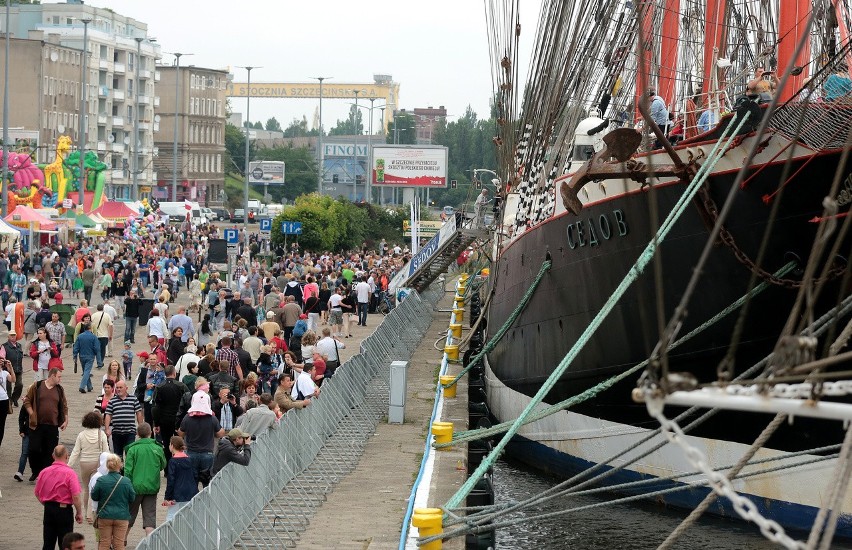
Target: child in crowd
{"points": [[127, 359], [24, 430], [181, 484], [77, 285], [153, 378]]}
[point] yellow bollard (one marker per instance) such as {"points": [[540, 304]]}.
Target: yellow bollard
{"points": [[459, 302], [429, 523], [456, 329], [452, 351], [464, 276], [459, 313], [443, 432], [461, 290], [449, 391]]}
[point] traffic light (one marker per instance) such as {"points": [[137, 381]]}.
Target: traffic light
{"points": [[454, 184], [478, 184], [335, 178]]}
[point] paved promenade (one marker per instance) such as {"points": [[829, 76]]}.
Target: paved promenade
{"points": [[19, 505]]}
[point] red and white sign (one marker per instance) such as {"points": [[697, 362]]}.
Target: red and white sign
{"points": [[408, 166]]}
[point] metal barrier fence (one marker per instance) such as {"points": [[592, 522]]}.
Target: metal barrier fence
{"points": [[268, 503]]}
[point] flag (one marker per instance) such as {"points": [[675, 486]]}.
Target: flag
{"points": [[187, 204]]}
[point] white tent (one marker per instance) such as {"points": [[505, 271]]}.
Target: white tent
{"points": [[9, 236]]}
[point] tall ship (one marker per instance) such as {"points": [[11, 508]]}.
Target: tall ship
{"points": [[690, 159]]}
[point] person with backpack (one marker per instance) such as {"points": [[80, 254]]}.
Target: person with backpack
{"points": [[43, 316]]}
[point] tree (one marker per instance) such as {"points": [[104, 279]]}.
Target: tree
{"points": [[258, 125], [299, 128], [351, 126], [338, 225], [235, 149], [272, 125], [402, 129]]}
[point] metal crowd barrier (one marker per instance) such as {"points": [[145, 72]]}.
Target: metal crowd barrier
{"points": [[268, 503]]}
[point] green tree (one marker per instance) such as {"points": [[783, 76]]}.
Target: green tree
{"points": [[235, 149], [299, 128], [272, 125], [351, 126], [339, 225], [402, 129], [258, 125]]}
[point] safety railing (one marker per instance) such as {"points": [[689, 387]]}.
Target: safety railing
{"points": [[268, 503]]}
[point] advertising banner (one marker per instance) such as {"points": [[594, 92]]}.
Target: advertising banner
{"points": [[266, 171], [410, 166]]}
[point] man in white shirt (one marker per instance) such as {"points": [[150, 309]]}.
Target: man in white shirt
{"points": [[362, 289], [304, 388], [110, 310], [328, 346], [102, 327], [252, 344]]}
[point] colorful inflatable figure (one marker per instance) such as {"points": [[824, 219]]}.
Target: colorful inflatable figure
{"points": [[26, 186], [95, 176], [55, 173]]}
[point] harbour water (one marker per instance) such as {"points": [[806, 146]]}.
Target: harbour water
{"points": [[635, 525]]}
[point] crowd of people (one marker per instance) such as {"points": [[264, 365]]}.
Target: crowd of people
{"points": [[221, 366]]}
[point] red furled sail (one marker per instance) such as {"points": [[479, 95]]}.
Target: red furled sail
{"points": [[669, 50], [715, 38], [792, 23]]}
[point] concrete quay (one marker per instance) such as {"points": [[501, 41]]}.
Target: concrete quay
{"points": [[366, 509]]}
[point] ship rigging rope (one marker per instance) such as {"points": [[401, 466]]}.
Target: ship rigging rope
{"points": [[719, 149], [711, 497], [594, 391], [570, 486], [545, 267], [479, 526]]}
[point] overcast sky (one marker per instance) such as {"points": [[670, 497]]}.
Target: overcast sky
{"points": [[437, 51]]}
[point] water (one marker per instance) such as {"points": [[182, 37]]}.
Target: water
{"points": [[634, 525]]}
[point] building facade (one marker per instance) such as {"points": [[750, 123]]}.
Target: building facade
{"points": [[426, 120], [120, 87], [201, 120]]}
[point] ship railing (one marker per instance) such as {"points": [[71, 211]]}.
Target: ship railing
{"points": [[268, 502]]}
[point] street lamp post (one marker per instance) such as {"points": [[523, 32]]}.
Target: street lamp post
{"points": [[177, 107], [134, 190], [319, 138], [81, 147], [369, 182], [357, 131], [248, 106], [5, 206]]}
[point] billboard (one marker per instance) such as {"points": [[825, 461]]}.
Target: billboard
{"points": [[408, 166], [267, 172]]}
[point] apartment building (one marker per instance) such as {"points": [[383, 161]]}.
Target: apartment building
{"points": [[200, 110], [122, 71]]}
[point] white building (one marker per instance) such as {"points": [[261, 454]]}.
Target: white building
{"points": [[121, 64]]}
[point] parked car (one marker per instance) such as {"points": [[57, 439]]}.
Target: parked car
{"points": [[208, 213], [239, 215], [222, 214]]}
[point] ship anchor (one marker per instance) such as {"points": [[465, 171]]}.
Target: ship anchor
{"points": [[614, 162]]}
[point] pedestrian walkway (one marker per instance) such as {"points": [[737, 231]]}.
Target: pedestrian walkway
{"points": [[19, 505]]}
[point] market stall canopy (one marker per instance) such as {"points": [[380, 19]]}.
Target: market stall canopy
{"points": [[115, 210], [98, 219], [81, 219], [23, 216]]}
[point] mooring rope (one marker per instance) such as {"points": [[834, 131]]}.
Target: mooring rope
{"points": [[545, 267], [483, 433], [719, 149]]}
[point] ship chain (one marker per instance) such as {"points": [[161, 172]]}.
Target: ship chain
{"points": [[712, 212]]}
